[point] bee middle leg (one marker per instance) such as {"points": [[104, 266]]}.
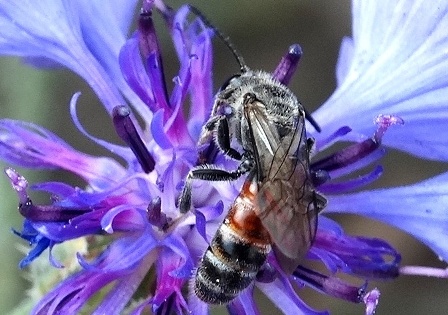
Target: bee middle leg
{"points": [[205, 172]]}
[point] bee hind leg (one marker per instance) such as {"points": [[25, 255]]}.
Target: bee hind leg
{"points": [[319, 177], [319, 201]]}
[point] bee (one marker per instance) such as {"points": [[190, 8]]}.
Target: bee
{"points": [[276, 209]]}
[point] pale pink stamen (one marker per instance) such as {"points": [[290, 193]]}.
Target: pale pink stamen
{"points": [[424, 271], [371, 301], [19, 184], [384, 122]]}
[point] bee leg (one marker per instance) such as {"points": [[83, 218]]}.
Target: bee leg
{"points": [[319, 177], [320, 202], [204, 172], [222, 139], [312, 121], [310, 142], [216, 134], [185, 196], [209, 149]]}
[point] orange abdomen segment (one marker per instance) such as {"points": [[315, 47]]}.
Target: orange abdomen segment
{"points": [[235, 255]]}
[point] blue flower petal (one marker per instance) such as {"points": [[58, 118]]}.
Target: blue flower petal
{"points": [[419, 209], [124, 289], [56, 188], [124, 254], [134, 72], [286, 299], [104, 28], [41, 245], [398, 65], [30, 145], [196, 306], [71, 294], [168, 294], [44, 29], [178, 246], [124, 152], [244, 304], [52, 29], [160, 137], [344, 60], [54, 262], [201, 224]]}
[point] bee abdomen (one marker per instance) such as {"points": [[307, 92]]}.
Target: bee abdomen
{"points": [[238, 252], [228, 266], [218, 283]]}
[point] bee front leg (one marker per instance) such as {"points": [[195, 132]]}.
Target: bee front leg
{"points": [[222, 138], [217, 128]]}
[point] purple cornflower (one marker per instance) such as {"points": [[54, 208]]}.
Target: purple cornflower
{"points": [[392, 72]]}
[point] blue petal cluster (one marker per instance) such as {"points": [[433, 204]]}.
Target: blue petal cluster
{"points": [[392, 72]]}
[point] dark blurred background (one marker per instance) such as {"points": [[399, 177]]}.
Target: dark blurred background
{"points": [[262, 33]]}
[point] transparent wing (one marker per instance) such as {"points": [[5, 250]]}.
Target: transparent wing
{"points": [[286, 201], [289, 215]]}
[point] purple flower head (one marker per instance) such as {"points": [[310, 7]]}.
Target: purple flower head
{"points": [[392, 92]]}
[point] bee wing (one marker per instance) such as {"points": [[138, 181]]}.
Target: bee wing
{"points": [[263, 136], [286, 202], [290, 217]]}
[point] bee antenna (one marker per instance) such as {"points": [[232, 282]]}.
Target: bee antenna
{"points": [[225, 39]]}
